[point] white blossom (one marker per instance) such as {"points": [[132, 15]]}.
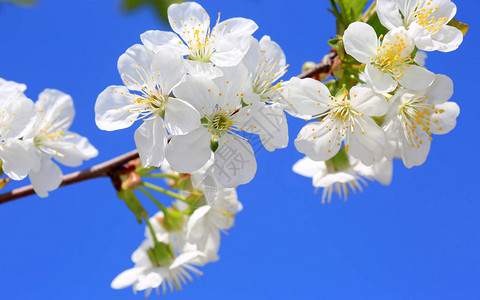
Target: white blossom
{"points": [[205, 48], [50, 138], [413, 116], [230, 116], [346, 118], [425, 20], [346, 180], [388, 59], [149, 80]]}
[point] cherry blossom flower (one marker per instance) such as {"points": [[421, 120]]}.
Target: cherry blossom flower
{"points": [[149, 80], [345, 118], [17, 115], [50, 138], [342, 181], [388, 59], [413, 116], [425, 20], [206, 49], [229, 117]]}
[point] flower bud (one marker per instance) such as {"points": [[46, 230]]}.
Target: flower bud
{"points": [[308, 65], [132, 182]]}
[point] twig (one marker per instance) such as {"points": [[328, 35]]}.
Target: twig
{"points": [[109, 168]]}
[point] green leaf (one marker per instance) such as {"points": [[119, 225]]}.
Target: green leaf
{"points": [[459, 25], [133, 204], [21, 2], [352, 9], [374, 21]]}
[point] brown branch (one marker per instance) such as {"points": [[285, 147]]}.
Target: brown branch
{"points": [[101, 170], [109, 168]]}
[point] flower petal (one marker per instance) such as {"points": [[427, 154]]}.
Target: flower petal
{"points": [[381, 82], [169, 68], [447, 39], [234, 162], [317, 142], [389, 14], [110, 109], [309, 168], [180, 117], [367, 142], [360, 40], [446, 114], [154, 40], [366, 101], [190, 152], [441, 90], [416, 78], [133, 67], [189, 15], [304, 98], [151, 139], [48, 177], [126, 278]]}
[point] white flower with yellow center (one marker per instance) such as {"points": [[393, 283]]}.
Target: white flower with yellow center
{"points": [[343, 178], [50, 138], [345, 118], [205, 48], [267, 64], [413, 116], [388, 59], [149, 80], [425, 20], [17, 114], [229, 117]]}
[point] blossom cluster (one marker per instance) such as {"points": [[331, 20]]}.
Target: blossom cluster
{"points": [[34, 133], [181, 238], [393, 114], [199, 91]]}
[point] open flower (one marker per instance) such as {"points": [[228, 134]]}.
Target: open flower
{"points": [[413, 116], [17, 116], [347, 118], [224, 46], [425, 20], [342, 180], [149, 80], [229, 117], [50, 138], [388, 61]]}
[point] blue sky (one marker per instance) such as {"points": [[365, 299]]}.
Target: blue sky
{"points": [[416, 239]]}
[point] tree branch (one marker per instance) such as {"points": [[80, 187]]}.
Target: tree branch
{"points": [[115, 165]]}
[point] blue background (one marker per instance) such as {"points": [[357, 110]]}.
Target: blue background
{"points": [[417, 239]]}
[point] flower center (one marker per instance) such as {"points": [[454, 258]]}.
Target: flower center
{"points": [[390, 57], [417, 115], [218, 124], [424, 16]]}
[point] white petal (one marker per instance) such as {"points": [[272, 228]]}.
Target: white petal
{"points": [[309, 168], [47, 179], [203, 69], [110, 111], [189, 15], [365, 100], [180, 117], [151, 139], [367, 142], [169, 69], [200, 92], [360, 41], [234, 162], [55, 110], [318, 142], [273, 51], [133, 65], [184, 258], [447, 39], [304, 98], [19, 158], [126, 278], [278, 138], [383, 171], [441, 90], [389, 14], [187, 153], [230, 51], [154, 40], [152, 280], [381, 82], [415, 156], [234, 27], [422, 37], [446, 114], [198, 214], [74, 149], [416, 78]]}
